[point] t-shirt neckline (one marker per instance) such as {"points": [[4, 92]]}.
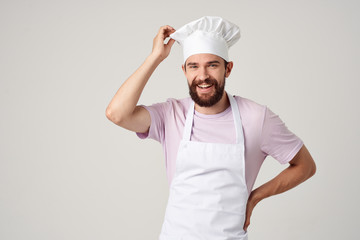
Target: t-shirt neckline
{"points": [[217, 115]]}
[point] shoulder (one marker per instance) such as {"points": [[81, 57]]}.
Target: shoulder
{"points": [[179, 102], [169, 104], [170, 109], [250, 109], [178, 105]]}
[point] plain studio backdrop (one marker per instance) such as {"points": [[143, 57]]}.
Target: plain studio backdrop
{"points": [[67, 172]]}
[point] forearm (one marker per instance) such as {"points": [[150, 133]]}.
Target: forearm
{"points": [[122, 107], [126, 98], [286, 180], [301, 168]]}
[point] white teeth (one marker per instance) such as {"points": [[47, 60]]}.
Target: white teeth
{"points": [[204, 85]]}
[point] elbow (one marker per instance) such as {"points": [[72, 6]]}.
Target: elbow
{"points": [[112, 117], [304, 159], [312, 170], [309, 170]]}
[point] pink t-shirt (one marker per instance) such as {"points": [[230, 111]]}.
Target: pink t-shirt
{"points": [[264, 133]]}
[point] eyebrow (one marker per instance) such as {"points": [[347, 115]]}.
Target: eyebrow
{"points": [[194, 63], [191, 63], [211, 62]]}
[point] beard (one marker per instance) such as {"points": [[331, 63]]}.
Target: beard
{"points": [[210, 99]]}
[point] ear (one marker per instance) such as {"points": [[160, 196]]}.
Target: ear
{"points": [[183, 68], [229, 67]]}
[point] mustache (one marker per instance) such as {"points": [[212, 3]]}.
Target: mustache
{"points": [[206, 81]]}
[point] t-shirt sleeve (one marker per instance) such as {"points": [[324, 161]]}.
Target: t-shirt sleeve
{"points": [[157, 114], [277, 140]]}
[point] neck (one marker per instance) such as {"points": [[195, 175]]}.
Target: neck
{"points": [[219, 107]]}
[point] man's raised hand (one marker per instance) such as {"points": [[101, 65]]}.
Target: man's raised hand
{"points": [[160, 49]]}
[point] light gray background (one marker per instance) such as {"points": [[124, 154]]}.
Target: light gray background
{"points": [[67, 172]]}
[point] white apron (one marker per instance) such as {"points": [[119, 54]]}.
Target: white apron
{"points": [[208, 194]]}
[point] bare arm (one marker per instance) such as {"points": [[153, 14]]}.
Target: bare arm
{"points": [[302, 167], [123, 109]]}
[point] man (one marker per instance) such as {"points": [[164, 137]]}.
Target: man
{"points": [[214, 142]]}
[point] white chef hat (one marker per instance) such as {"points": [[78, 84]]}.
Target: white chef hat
{"points": [[208, 34]]}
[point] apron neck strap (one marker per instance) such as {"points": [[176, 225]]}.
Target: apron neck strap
{"points": [[237, 120], [189, 122], [236, 115]]}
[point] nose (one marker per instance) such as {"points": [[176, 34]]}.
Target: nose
{"points": [[203, 74]]}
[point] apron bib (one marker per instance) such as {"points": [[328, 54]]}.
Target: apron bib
{"points": [[208, 194]]}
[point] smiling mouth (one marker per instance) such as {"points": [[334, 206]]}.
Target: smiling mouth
{"points": [[204, 86]]}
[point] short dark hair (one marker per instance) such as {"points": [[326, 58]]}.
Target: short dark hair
{"points": [[226, 63]]}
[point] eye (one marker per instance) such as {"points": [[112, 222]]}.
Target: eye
{"points": [[213, 65], [192, 66]]}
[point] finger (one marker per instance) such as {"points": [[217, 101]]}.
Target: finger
{"points": [[247, 221], [169, 27], [247, 216], [165, 31], [171, 42], [168, 32], [246, 224], [166, 28]]}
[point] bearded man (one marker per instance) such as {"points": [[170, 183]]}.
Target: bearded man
{"points": [[214, 142]]}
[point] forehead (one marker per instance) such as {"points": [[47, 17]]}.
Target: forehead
{"points": [[203, 58]]}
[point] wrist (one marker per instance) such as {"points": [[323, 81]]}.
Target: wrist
{"points": [[155, 57], [256, 196]]}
